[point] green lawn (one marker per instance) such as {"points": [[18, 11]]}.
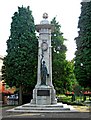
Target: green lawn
{"points": [[68, 99]]}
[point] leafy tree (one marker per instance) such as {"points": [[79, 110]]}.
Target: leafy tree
{"points": [[63, 70], [20, 63], [70, 76], [59, 57], [83, 42]]}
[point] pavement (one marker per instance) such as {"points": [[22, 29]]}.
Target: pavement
{"points": [[43, 116]]}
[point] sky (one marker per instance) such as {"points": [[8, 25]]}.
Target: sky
{"points": [[67, 13]]}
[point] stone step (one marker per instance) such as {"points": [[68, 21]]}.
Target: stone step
{"points": [[44, 106], [30, 108], [41, 108], [41, 111]]}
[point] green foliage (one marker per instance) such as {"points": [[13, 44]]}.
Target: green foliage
{"points": [[58, 56], [62, 69], [69, 75], [83, 42], [20, 64]]}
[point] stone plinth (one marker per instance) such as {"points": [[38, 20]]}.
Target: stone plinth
{"points": [[44, 95]]}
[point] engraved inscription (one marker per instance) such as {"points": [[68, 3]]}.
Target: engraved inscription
{"points": [[43, 92]]}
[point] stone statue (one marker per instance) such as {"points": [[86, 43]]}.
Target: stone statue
{"points": [[44, 73]]}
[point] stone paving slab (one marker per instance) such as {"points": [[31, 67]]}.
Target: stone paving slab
{"points": [[62, 116], [45, 116]]}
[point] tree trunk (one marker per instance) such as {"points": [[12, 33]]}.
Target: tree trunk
{"points": [[20, 95]]}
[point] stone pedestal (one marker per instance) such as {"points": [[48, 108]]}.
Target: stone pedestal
{"points": [[44, 95]]}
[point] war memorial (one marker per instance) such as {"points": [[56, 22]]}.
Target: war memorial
{"points": [[44, 95]]}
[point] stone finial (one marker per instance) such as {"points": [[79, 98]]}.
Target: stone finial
{"points": [[45, 20], [45, 15]]}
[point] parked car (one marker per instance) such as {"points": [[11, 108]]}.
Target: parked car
{"points": [[12, 99], [15, 96]]}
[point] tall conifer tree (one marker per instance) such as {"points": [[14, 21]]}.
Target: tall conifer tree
{"points": [[83, 42], [20, 64]]}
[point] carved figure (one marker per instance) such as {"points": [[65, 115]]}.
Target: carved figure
{"points": [[44, 73]]}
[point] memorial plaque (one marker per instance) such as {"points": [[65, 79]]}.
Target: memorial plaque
{"points": [[43, 92]]}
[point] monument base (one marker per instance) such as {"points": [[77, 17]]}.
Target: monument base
{"points": [[33, 108], [44, 95], [44, 101]]}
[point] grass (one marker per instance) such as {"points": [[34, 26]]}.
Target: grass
{"points": [[68, 99], [78, 104]]}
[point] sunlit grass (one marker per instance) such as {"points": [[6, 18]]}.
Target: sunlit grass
{"points": [[68, 99]]}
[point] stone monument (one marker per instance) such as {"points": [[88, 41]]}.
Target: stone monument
{"points": [[44, 92], [44, 96]]}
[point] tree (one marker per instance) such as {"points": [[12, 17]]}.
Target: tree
{"points": [[83, 42], [20, 63], [70, 76], [63, 70], [58, 56]]}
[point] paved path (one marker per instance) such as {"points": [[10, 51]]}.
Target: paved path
{"points": [[44, 116]]}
